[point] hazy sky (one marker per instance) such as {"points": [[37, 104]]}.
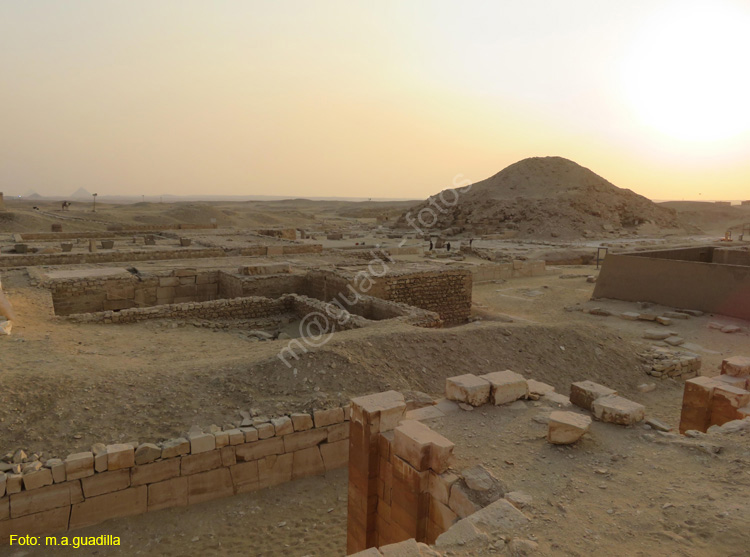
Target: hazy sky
{"points": [[371, 99]]}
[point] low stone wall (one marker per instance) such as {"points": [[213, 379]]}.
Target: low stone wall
{"points": [[237, 308], [110, 256], [504, 271], [156, 228], [113, 256], [31, 236], [120, 480]]}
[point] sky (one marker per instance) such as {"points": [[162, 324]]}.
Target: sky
{"points": [[386, 99]]}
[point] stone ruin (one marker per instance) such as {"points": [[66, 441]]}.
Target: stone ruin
{"points": [[715, 401]]}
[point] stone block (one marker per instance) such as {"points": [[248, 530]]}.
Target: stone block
{"points": [[221, 439], [106, 482], [468, 388], [168, 493], [275, 469], [282, 426], [79, 465], [328, 417], [236, 437], [94, 510], [43, 523], [381, 411], [3, 479], [538, 388], [422, 447], [584, 393], [460, 503], [307, 462], [228, 456], [38, 500], [618, 410], [338, 432], [259, 449], [13, 483], [147, 452], [441, 514], [57, 467], [250, 433], [506, 386], [201, 462], [726, 402], [175, 447], [245, 476], [189, 272], [739, 382], [439, 486], [566, 427], [37, 479], [169, 281], [302, 422], [696, 404], [304, 439], [265, 431], [120, 455], [209, 485], [155, 472], [736, 365], [335, 455], [201, 443]]}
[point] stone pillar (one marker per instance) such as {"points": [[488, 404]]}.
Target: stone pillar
{"points": [[92, 245], [370, 416], [2, 203]]}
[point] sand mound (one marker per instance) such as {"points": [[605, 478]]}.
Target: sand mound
{"points": [[542, 197]]}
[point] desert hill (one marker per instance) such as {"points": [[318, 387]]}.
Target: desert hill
{"points": [[543, 197]]}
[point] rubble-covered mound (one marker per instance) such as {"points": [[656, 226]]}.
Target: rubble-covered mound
{"points": [[539, 197]]}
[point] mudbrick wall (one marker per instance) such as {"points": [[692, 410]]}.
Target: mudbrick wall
{"points": [[446, 292], [128, 479]]}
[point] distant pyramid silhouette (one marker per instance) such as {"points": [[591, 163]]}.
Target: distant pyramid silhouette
{"points": [[81, 192]]}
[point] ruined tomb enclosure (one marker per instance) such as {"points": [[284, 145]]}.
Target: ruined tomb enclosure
{"points": [[708, 278], [187, 293], [445, 292]]}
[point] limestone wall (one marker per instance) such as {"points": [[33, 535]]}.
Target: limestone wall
{"points": [[109, 294], [110, 256], [113, 256], [120, 480]]}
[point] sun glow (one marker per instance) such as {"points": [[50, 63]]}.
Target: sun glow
{"points": [[687, 75]]}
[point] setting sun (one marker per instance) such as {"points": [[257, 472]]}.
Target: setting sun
{"points": [[686, 75]]}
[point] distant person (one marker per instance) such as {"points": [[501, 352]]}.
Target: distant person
{"points": [[430, 245], [470, 241], [447, 246]]}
